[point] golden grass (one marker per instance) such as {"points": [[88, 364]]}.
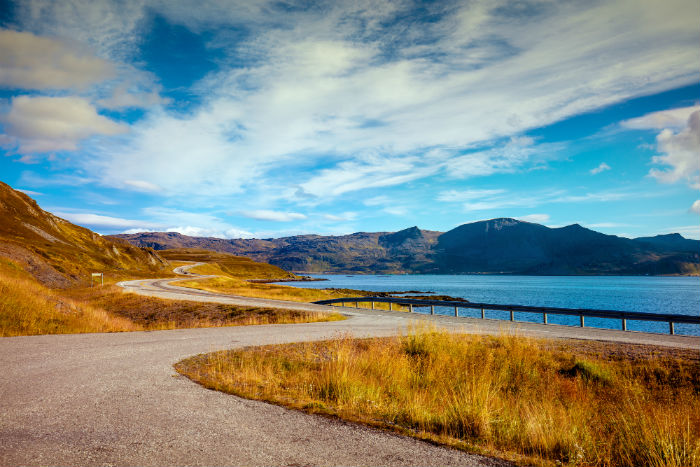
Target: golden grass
{"points": [[526, 400], [226, 264], [236, 286], [29, 308]]}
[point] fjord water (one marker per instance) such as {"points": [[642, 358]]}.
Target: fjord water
{"points": [[675, 295]]}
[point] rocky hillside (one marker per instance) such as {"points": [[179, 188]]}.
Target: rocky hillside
{"points": [[59, 253], [496, 246]]}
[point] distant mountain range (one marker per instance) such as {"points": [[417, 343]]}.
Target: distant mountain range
{"points": [[496, 246]]}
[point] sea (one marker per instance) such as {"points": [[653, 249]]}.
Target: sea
{"points": [[651, 294]]}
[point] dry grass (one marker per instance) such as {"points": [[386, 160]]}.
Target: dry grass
{"points": [[236, 286], [226, 264], [540, 402], [29, 308], [153, 313]]}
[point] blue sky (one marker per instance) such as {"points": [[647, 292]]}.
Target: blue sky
{"points": [[266, 119]]}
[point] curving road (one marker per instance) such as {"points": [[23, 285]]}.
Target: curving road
{"points": [[114, 399]]}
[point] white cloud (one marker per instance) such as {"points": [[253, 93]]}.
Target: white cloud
{"points": [[672, 118], [601, 168], [44, 124], [32, 62], [696, 207], [194, 223], [123, 97], [367, 172], [396, 210], [509, 157], [99, 221], [377, 201], [208, 232], [680, 150], [30, 192], [536, 218], [342, 217], [353, 78], [678, 143], [141, 185], [531, 200], [276, 216], [467, 195]]}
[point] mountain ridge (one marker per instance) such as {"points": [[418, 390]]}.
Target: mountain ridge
{"points": [[493, 246]]}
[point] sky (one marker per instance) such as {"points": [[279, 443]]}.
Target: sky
{"points": [[274, 118]]}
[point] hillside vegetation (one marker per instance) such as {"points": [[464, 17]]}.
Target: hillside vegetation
{"points": [[226, 264], [60, 254], [533, 401]]}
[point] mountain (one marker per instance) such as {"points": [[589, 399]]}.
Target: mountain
{"points": [[496, 246], [362, 252], [59, 253], [512, 246], [671, 242]]}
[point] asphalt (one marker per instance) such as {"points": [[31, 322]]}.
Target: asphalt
{"points": [[114, 399]]}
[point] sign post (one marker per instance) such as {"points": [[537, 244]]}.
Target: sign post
{"points": [[97, 274]]}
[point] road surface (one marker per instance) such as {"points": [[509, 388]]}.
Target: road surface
{"points": [[114, 399]]}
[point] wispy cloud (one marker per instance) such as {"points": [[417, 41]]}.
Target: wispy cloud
{"points": [[276, 216], [695, 207], [536, 218], [467, 195], [98, 221], [487, 200], [341, 217], [602, 167], [671, 118]]}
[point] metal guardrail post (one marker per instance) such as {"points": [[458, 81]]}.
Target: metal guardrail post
{"points": [[512, 316], [410, 307], [391, 306], [373, 305], [483, 314], [432, 309], [357, 304], [544, 318], [624, 324], [583, 322], [456, 311], [670, 328]]}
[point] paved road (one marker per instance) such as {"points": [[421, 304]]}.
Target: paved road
{"points": [[114, 399]]}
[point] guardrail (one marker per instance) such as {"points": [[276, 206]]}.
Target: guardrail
{"points": [[582, 313]]}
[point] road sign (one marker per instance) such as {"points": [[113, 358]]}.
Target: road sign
{"points": [[97, 274]]}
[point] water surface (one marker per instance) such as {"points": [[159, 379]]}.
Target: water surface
{"points": [[675, 295]]}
